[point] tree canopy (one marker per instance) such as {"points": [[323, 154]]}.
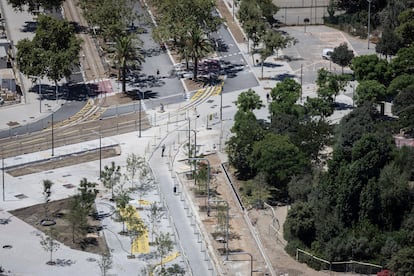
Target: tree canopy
{"points": [[34, 5], [342, 55], [52, 53]]}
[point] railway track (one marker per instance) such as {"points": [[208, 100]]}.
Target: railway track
{"points": [[90, 59]]}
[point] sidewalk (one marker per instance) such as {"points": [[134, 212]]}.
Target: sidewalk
{"points": [[182, 217], [29, 109]]}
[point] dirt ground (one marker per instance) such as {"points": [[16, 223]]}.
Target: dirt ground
{"points": [[92, 242], [241, 239], [64, 161]]}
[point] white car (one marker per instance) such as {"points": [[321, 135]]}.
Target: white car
{"points": [[327, 53]]}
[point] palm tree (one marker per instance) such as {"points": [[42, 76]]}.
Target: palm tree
{"points": [[198, 46], [126, 52]]}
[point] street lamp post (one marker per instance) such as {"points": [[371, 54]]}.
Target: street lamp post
{"points": [[2, 170], [227, 225], [53, 136], [139, 116], [251, 259], [369, 19], [100, 150], [208, 182]]}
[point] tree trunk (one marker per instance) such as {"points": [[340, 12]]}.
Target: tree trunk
{"points": [[195, 68], [123, 78]]}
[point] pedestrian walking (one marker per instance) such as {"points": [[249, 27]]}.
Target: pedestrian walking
{"points": [[268, 97], [162, 150]]}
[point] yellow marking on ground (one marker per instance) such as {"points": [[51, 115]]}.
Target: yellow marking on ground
{"points": [[144, 202], [198, 94], [140, 244], [170, 257], [79, 114]]}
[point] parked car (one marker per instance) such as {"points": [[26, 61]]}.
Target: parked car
{"points": [[327, 53]]}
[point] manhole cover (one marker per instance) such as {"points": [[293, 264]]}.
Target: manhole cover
{"points": [[7, 246]]}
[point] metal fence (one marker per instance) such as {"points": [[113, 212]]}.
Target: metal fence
{"points": [[345, 266]]}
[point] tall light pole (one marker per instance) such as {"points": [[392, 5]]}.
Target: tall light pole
{"points": [[53, 137], [2, 170], [208, 182], [139, 131], [227, 225], [100, 150], [369, 20]]}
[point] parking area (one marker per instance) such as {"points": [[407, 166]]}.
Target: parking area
{"points": [[306, 55]]}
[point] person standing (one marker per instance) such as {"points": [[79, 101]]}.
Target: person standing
{"points": [[162, 150]]}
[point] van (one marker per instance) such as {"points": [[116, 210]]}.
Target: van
{"points": [[327, 53]]}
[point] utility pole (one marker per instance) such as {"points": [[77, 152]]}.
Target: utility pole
{"points": [[53, 137]]}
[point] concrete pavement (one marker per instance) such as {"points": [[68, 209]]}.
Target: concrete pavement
{"points": [[181, 218]]}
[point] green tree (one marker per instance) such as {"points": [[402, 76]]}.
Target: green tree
{"points": [[199, 46], [105, 263], [300, 223], [361, 120], [77, 217], [49, 244], [284, 97], [329, 85], [111, 176], [87, 193], [156, 213], [311, 137], [135, 165], [353, 6], [34, 5], [403, 107], [399, 83], [246, 131], [122, 199], [403, 63], [52, 53], [394, 196], [278, 159], [269, 9], [274, 41], [369, 67], [389, 43], [342, 56], [249, 101], [164, 246], [370, 91], [110, 18], [125, 52], [406, 28], [402, 263]]}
